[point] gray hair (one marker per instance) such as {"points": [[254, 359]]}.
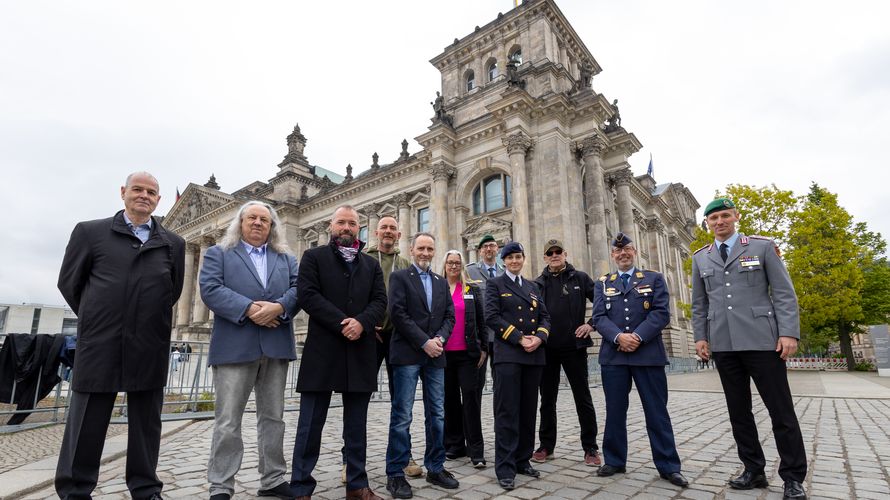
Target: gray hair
{"points": [[422, 233], [233, 234], [464, 277], [143, 173]]}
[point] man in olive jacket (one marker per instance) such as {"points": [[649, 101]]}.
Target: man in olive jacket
{"points": [[342, 290], [121, 276]]}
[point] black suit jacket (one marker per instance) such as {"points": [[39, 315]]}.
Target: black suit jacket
{"points": [[412, 320], [513, 311]]}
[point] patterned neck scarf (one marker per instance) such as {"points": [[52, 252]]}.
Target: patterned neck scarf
{"points": [[349, 252]]}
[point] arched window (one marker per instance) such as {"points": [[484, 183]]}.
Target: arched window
{"points": [[423, 219], [492, 71], [516, 55], [471, 80], [492, 193]]}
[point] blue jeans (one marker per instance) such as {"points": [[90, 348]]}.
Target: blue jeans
{"points": [[398, 451]]}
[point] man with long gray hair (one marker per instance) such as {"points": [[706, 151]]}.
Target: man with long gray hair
{"points": [[249, 281]]}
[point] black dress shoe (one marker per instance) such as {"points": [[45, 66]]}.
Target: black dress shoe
{"points": [[794, 491], [398, 487], [749, 480], [280, 491], [443, 479], [529, 471], [479, 463], [220, 496], [454, 455], [676, 479], [506, 484], [156, 496], [609, 470]]}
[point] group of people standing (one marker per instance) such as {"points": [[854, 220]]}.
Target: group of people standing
{"points": [[122, 276]]}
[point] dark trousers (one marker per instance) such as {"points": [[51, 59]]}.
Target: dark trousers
{"points": [[482, 370], [383, 354], [463, 415], [88, 416], [575, 365], [651, 383], [313, 414], [515, 409], [768, 371]]}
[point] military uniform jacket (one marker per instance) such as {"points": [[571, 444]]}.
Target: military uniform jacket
{"points": [[746, 303], [478, 274], [512, 311], [641, 308]]}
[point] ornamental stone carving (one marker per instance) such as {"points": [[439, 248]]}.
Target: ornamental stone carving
{"points": [[401, 200], [654, 225], [296, 143], [592, 145], [372, 209], [442, 171], [517, 143], [621, 177]]}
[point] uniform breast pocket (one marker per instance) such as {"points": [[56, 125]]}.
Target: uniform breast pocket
{"points": [[707, 275], [754, 275]]}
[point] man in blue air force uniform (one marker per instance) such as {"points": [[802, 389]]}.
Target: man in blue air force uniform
{"points": [[630, 308]]}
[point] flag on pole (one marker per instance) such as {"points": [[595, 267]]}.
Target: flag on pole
{"points": [[650, 169], [178, 196]]}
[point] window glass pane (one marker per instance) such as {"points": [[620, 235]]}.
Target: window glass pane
{"points": [[471, 81], [363, 233], [508, 185], [494, 193], [423, 219], [492, 72], [517, 56], [477, 201]]}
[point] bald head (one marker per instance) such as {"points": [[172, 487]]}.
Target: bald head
{"points": [[388, 234]]}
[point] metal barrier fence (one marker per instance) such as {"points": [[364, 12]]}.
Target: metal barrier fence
{"points": [[190, 393], [817, 364]]}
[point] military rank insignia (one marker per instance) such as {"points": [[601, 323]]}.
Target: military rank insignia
{"points": [[640, 275], [749, 260], [613, 277], [645, 304]]}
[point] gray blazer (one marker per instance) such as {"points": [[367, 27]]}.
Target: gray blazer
{"points": [[479, 276], [746, 303]]}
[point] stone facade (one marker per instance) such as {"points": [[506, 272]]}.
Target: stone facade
{"points": [[518, 148]]}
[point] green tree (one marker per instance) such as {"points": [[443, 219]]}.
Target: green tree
{"points": [[823, 261], [766, 211]]}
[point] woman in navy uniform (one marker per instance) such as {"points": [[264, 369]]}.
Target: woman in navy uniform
{"points": [[515, 312]]}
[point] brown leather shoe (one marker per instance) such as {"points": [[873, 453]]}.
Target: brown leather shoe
{"points": [[362, 494]]}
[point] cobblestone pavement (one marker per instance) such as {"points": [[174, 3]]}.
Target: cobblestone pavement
{"points": [[33, 444], [848, 446]]}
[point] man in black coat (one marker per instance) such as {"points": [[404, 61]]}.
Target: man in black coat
{"points": [[121, 276], [565, 291], [342, 290]]}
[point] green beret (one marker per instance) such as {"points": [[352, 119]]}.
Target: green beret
{"points": [[485, 239], [718, 205]]}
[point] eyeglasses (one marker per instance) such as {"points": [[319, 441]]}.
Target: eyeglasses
{"points": [[490, 245], [550, 253], [453, 264]]}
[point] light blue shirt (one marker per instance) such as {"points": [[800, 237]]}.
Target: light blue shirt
{"points": [[258, 257], [630, 274], [427, 281], [488, 270], [730, 242], [513, 277], [142, 231]]}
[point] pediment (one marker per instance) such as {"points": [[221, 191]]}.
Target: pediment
{"points": [[193, 203], [500, 229]]}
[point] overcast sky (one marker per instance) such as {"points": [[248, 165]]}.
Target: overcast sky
{"points": [[753, 92]]}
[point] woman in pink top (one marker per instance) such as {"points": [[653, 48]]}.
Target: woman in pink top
{"points": [[465, 351]]}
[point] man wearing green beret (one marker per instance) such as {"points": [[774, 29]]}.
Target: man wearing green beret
{"points": [[480, 272], [745, 315]]}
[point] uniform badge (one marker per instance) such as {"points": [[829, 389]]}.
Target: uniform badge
{"points": [[749, 260], [640, 275], [645, 304], [613, 277], [611, 292], [534, 303], [644, 289]]}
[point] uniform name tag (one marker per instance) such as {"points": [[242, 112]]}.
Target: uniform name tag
{"points": [[749, 261], [468, 296], [644, 289]]}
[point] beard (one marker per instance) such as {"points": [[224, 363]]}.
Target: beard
{"points": [[345, 239]]}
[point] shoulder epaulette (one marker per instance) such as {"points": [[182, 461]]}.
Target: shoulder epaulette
{"points": [[603, 277], [702, 248], [758, 237]]}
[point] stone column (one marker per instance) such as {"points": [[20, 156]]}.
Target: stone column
{"points": [[373, 219], [200, 313], [401, 201], [441, 173], [184, 306], [590, 149], [622, 180], [323, 230], [655, 228], [518, 145]]}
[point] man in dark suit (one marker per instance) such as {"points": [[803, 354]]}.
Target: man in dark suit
{"points": [[121, 276], [480, 272], [422, 315], [745, 314], [341, 289], [249, 281], [630, 308], [517, 315]]}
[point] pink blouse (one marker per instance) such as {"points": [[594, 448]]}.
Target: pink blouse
{"points": [[458, 339]]}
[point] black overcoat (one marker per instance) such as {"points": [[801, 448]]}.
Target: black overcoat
{"points": [[123, 293], [330, 290]]}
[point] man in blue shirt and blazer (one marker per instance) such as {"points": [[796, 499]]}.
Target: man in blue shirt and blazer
{"points": [[249, 281], [630, 309]]}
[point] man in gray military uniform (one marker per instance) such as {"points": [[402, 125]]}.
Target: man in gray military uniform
{"points": [[480, 272], [744, 311]]}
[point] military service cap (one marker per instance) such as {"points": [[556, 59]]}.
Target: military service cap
{"points": [[485, 239], [621, 240], [554, 243], [512, 247], [718, 205]]}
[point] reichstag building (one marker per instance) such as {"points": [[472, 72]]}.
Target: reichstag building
{"points": [[521, 146]]}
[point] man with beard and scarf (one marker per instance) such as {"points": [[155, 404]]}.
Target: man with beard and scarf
{"points": [[343, 292], [565, 291]]}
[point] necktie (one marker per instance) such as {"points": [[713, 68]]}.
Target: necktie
{"points": [[491, 272], [624, 279], [428, 289], [724, 251], [516, 280]]}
